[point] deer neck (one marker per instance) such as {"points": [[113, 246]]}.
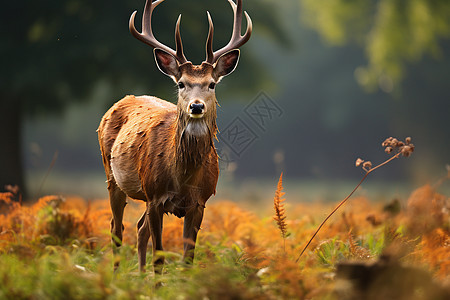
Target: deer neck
{"points": [[194, 139]]}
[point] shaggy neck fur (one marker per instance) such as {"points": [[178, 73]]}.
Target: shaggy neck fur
{"points": [[194, 138]]}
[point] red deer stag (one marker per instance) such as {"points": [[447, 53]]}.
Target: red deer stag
{"points": [[163, 153]]}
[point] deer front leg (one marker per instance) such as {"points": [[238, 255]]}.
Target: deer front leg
{"points": [[155, 219], [192, 223]]}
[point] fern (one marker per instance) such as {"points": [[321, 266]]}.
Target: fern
{"points": [[280, 212]]}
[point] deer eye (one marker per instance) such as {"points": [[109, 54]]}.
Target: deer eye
{"points": [[181, 85], [212, 85]]}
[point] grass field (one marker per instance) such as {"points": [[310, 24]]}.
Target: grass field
{"points": [[60, 248]]}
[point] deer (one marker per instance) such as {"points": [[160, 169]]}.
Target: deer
{"points": [[162, 153]]}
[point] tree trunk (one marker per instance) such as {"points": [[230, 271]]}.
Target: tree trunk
{"points": [[11, 167]]}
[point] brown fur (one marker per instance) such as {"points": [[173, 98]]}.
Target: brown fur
{"points": [[172, 167]]}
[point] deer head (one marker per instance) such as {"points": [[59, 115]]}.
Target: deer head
{"points": [[196, 83]]}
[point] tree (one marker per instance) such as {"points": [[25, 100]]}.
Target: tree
{"points": [[54, 52], [393, 33]]}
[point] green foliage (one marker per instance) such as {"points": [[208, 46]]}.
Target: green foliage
{"points": [[332, 251], [218, 273], [393, 33], [335, 250], [18, 278], [375, 243], [337, 20], [71, 273]]}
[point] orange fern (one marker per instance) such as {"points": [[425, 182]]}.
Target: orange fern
{"points": [[280, 212]]}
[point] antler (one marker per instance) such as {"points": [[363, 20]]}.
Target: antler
{"points": [[147, 34], [237, 39]]}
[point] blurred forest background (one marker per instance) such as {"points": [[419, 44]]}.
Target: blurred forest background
{"points": [[343, 76]]}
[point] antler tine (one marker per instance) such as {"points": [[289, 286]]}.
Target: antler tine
{"points": [[209, 41], [236, 40], [179, 45], [237, 11], [147, 16], [147, 36]]}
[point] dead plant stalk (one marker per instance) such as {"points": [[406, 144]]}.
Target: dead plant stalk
{"points": [[404, 148]]}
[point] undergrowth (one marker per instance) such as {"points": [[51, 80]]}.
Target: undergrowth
{"points": [[60, 249], [238, 254]]}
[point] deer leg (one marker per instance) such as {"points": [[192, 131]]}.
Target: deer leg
{"points": [[142, 241], [117, 200], [155, 219], [192, 223]]}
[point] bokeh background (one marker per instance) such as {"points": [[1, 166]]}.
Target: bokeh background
{"points": [[342, 75]]}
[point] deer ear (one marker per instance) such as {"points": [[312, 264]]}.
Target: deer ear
{"points": [[226, 63], [167, 63]]}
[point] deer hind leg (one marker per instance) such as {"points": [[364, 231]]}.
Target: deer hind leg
{"points": [[117, 200], [143, 229], [192, 223], [155, 218]]}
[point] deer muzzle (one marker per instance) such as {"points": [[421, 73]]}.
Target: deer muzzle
{"points": [[196, 109]]}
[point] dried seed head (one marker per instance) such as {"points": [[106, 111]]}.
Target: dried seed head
{"points": [[407, 150], [387, 141], [394, 142], [367, 165], [358, 162]]}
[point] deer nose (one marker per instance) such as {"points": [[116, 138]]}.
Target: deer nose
{"points": [[197, 108]]}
